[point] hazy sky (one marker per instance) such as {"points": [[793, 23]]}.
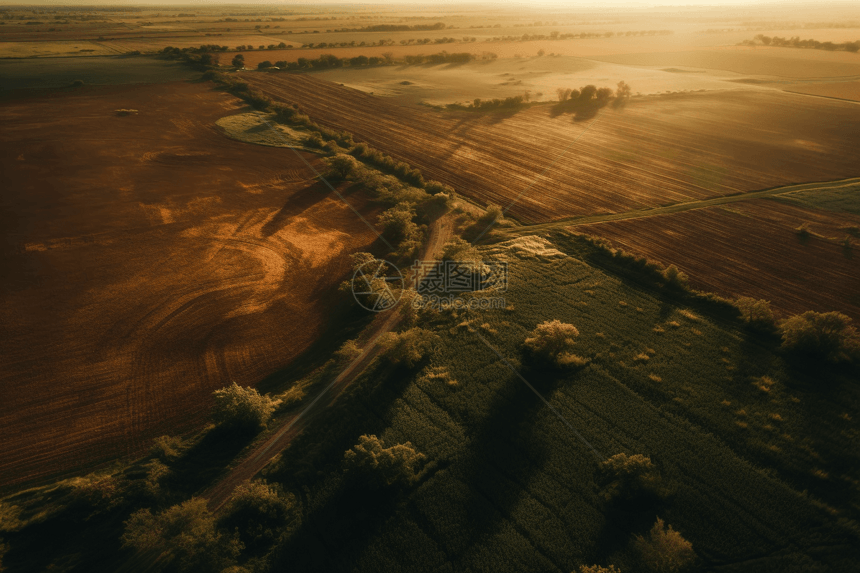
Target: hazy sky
{"points": [[513, 4]]}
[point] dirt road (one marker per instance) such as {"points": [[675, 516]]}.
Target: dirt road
{"points": [[219, 494]]}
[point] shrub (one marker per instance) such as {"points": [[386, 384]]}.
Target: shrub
{"points": [[435, 187], [408, 347], [156, 472], [348, 352], [755, 313], [597, 569], [664, 550], [77, 83], [242, 408], [397, 223], [185, 533], [377, 466], [167, 448], [313, 140], [675, 278], [257, 511], [238, 61], [459, 250], [551, 342], [265, 64], [493, 214], [828, 336], [629, 479]]}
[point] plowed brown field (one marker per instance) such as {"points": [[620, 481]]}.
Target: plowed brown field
{"points": [[657, 150], [752, 249], [146, 261]]}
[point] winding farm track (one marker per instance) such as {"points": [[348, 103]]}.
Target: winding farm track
{"points": [[255, 460], [655, 151]]}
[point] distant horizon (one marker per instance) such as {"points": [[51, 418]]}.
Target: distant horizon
{"points": [[516, 4]]}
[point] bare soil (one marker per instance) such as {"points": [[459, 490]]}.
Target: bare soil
{"points": [[146, 261], [655, 150], [753, 249]]}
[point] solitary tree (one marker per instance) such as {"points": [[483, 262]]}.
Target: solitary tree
{"points": [[242, 408], [238, 61], [185, 534], [167, 448], [629, 479], [257, 511], [623, 91], [552, 341], [408, 347], [756, 313], [664, 550], [377, 466]]}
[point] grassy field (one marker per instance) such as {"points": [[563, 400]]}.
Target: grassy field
{"points": [[46, 73], [844, 199], [508, 487]]}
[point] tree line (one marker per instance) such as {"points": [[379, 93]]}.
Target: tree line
{"points": [[328, 61], [796, 42]]}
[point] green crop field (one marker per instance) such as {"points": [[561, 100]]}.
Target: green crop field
{"points": [[760, 455], [844, 199]]}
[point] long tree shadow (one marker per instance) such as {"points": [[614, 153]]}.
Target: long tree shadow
{"points": [[296, 204], [503, 456], [341, 517]]}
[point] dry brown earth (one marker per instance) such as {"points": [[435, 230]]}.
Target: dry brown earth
{"points": [[753, 249], [147, 260], [656, 150]]}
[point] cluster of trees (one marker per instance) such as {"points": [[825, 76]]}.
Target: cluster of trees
{"points": [[828, 336], [578, 36], [373, 465], [203, 57], [408, 347], [590, 98], [396, 28], [443, 40], [497, 103], [281, 46], [796, 42], [440, 58], [324, 62], [242, 409], [190, 538]]}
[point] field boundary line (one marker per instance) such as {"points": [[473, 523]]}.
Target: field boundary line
{"points": [[681, 207]]}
